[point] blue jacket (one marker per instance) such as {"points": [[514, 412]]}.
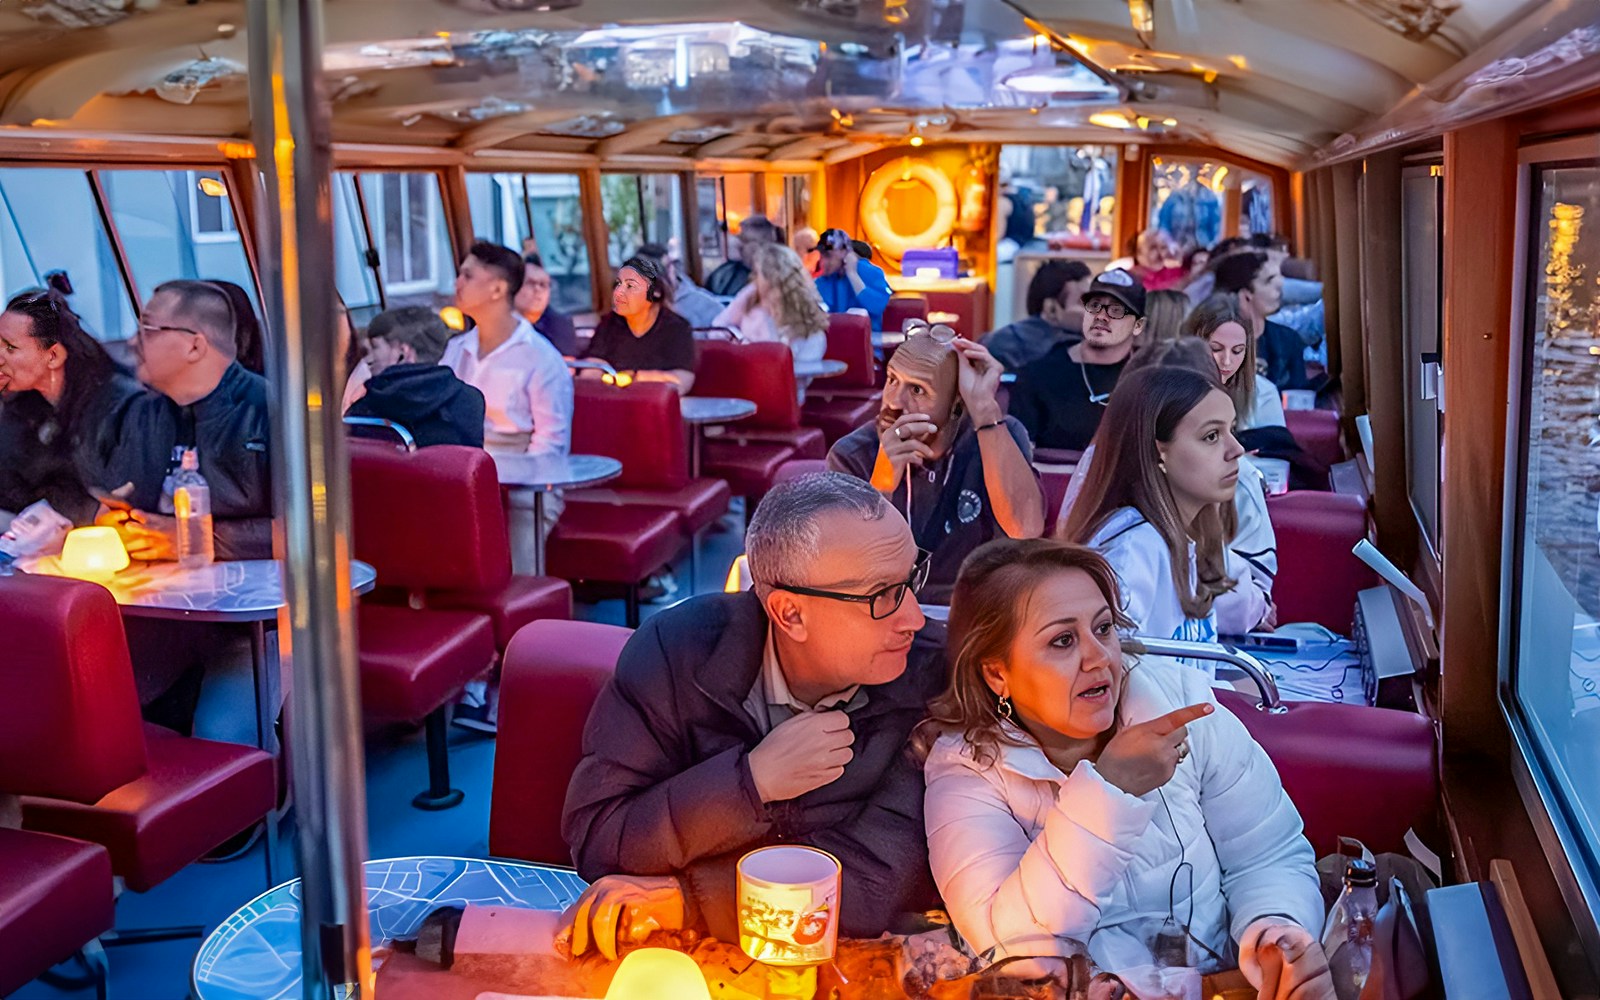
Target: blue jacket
{"points": [[838, 295]]}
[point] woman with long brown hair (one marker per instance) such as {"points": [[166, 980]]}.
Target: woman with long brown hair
{"points": [[1158, 502], [1223, 325], [1076, 794]]}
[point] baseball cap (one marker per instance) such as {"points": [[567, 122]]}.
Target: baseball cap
{"points": [[1119, 285]]}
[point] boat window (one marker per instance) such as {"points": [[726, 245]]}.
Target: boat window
{"points": [[1422, 192], [1061, 196], [353, 275], [1554, 689], [405, 216], [711, 227], [542, 212], [1198, 202], [641, 208], [177, 224], [49, 222]]}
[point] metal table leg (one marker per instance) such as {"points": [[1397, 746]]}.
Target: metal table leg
{"points": [[538, 533], [263, 667]]}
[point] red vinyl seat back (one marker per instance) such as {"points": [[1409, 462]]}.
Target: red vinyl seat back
{"points": [[760, 372], [1055, 492], [850, 341], [1316, 431], [1318, 577], [554, 671], [1351, 770], [69, 721], [640, 426], [799, 467], [902, 308], [429, 519]]}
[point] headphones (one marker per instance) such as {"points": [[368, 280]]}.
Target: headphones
{"points": [[651, 272]]}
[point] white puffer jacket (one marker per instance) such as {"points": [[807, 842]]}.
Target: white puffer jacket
{"points": [[1025, 856]]}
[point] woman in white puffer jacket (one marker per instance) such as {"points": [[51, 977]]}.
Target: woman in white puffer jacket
{"points": [[1073, 796]]}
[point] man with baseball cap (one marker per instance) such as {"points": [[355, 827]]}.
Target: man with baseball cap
{"points": [[846, 281], [1061, 397]]}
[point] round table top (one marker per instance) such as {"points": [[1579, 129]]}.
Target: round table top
{"points": [[819, 369], [241, 590], [543, 473], [256, 951], [714, 409]]}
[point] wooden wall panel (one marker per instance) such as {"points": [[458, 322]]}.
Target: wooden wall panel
{"points": [[1382, 243], [1348, 356], [1479, 273]]}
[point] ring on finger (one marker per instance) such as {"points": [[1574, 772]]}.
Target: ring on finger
{"points": [[899, 433], [1183, 750]]}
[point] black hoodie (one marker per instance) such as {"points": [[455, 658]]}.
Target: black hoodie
{"points": [[427, 400]]}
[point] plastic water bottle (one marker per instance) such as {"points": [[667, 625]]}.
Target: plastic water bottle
{"points": [[191, 505], [1347, 939], [171, 482]]}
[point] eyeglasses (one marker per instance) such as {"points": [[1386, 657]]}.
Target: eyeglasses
{"points": [[940, 333], [145, 329], [882, 602], [1111, 307]]}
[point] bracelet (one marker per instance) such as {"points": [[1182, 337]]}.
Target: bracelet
{"points": [[996, 423]]}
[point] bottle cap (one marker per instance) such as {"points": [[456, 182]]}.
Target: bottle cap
{"points": [[1361, 872]]}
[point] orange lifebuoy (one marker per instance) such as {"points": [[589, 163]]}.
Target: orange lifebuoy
{"points": [[875, 207]]}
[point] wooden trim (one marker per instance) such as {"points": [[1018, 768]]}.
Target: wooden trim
{"points": [[595, 236], [243, 178], [1480, 269], [689, 198], [1383, 334], [1347, 356], [1541, 978], [1132, 212], [458, 210]]}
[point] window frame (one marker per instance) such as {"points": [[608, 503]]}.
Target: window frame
{"points": [[1574, 863], [411, 286], [638, 175], [1431, 166]]}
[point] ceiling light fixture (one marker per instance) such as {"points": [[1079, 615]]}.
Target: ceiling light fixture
{"points": [[1110, 119], [1143, 15]]}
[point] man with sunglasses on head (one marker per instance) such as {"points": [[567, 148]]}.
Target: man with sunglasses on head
{"points": [[1061, 397], [944, 453], [777, 715]]}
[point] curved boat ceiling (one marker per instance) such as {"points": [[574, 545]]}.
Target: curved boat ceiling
{"points": [[1291, 82]]}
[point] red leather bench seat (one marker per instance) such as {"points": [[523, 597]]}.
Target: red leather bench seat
{"points": [[55, 897]]}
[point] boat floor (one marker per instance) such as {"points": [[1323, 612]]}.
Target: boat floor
{"points": [[206, 894]]}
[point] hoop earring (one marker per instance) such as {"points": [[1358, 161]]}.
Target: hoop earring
{"points": [[1005, 710]]}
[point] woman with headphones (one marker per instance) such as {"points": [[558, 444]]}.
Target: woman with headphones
{"points": [[642, 335]]}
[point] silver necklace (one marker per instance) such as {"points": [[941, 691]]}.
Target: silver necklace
{"points": [[1094, 397]]}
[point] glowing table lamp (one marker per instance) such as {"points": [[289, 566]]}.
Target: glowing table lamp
{"points": [[453, 318], [94, 554], [658, 974]]}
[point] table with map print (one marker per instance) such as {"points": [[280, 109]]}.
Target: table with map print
{"points": [[255, 953]]}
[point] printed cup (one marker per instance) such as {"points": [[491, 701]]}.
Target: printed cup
{"points": [[789, 905]]}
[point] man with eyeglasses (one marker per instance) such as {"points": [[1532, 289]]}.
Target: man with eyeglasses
{"points": [[777, 715], [1061, 397], [944, 453], [533, 303], [204, 399]]}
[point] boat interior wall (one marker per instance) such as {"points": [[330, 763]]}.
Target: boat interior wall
{"points": [[810, 81]]}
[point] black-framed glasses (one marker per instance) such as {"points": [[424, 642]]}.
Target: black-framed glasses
{"points": [[1111, 307], [144, 329], [884, 601]]}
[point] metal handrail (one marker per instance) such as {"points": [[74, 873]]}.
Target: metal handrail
{"points": [[590, 364], [1270, 701], [733, 333], [406, 439]]}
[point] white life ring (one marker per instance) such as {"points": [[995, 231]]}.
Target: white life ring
{"points": [[875, 207]]}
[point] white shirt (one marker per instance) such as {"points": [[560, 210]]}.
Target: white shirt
{"points": [[771, 702], [527, 390], [1026, 856], [1267, 408]]}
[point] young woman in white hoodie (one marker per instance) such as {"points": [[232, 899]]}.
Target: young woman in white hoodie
{"points": [[1158, 503], [1077, 795]]}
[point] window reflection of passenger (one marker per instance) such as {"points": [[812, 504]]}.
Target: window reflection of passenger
{"points": [[56, 431], [1070, 787]]}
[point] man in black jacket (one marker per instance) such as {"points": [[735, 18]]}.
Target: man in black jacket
{"points": [[411, 388], [779, 715], [204, 399]]}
